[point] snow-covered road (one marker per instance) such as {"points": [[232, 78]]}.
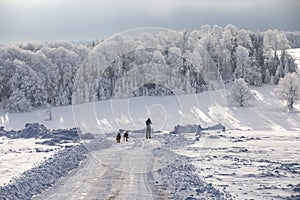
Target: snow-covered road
{"points": [[124, 171]]}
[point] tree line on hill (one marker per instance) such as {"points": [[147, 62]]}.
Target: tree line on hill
{"points": [[62, 73]]}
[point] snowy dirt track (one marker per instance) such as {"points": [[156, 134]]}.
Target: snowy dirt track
{"points": [[123, 171]]}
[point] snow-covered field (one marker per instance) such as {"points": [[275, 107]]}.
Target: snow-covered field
{"points": [[264, 112], [257, 156], [19, 155], [249, 164]]}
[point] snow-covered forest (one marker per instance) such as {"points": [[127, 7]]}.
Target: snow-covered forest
{"points": [[162, 63]]}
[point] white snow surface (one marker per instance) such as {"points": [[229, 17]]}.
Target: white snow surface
{"points": [[137, 169], [264, 112], [39, 178], [256, 152], [249, 164], [20, 155], [119, 172]]}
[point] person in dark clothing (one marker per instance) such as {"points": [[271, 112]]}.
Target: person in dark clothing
{"points": [[126, 136], [119, 138], [148, 128], [223, 129]]}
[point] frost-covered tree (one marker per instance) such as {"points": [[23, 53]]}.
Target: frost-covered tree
{"points": [[229, 41], [253, 76], [66, 64], [242, 63], [27, 89], [294, 39], [81, 50], [70, 72], [224, 64], [34, 47], [276, 58], [289, 89], [7, 70], [275, 40], [240, 92], [38, 63], [243, 39], [270, 40], [18, 102], [257, 50]]}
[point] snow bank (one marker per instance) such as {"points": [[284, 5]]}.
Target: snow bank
{"points": [[36, 130], [195, 128], [33, 130], [216, 127], [186, 129], [38, 179], [173, 141]]}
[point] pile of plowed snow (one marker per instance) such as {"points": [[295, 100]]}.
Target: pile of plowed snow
{"points": [[38, 179]]}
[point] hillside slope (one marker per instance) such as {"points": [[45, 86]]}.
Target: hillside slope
{"points": [[264, 112]]}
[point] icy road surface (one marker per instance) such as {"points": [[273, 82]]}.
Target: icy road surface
{"points": [[123, 171]]}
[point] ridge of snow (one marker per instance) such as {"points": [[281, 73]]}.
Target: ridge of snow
{"points": [[38, 179]]}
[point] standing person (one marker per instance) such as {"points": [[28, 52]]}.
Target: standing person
{"points": [[148, 128], [126, 136], [118, 138]]}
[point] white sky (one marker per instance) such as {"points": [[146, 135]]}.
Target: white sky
{"points": [[44, 20]]}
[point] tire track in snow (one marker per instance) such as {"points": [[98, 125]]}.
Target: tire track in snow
{"points": [[123, 171]]}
